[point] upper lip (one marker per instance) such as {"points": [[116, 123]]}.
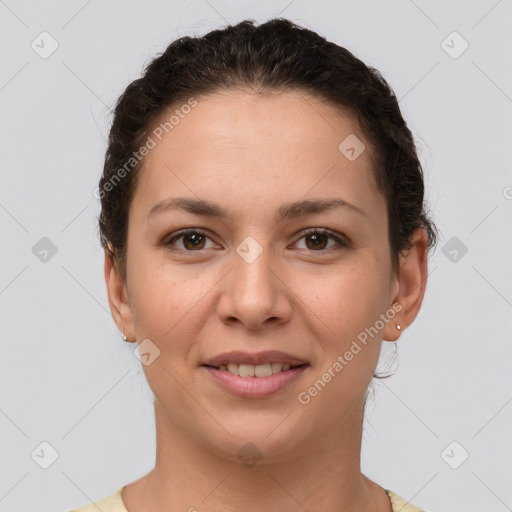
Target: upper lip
{"points": [[268, 356]]}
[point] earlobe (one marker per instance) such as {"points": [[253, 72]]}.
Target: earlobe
{"points": [[118, 298], [412, 282]]}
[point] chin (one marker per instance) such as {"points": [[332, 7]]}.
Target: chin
{"points": [[254, 442]]}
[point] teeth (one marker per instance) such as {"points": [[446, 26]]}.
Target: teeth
{"points": [[263, 370], [250, 370], [246, 370], [276, 367]]}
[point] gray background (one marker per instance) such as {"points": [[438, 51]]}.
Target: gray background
{"points": [[68, 379]]}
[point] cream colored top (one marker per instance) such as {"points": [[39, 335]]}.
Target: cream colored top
{"points": [[114, 503]]}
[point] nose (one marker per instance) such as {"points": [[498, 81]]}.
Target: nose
{"points": [[255, 292]]}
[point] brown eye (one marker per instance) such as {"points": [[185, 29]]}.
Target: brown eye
{"points": [[192, 240], [196, 241], [317, 240]]}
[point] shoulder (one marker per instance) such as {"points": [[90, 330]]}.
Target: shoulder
{"points": [[112, 503], [399, 504]]}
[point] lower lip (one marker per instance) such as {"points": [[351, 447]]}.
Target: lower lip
{"points": [[255, 387]]}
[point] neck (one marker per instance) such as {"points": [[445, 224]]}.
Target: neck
{"points": [[192, 476]]}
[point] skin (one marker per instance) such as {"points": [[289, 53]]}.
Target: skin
{"points": [[250, 154]]}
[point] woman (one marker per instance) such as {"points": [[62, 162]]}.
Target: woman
{"points": [[264, 230]]}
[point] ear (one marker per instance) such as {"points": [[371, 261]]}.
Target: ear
{"points": [[411, 282], [118, 298]]}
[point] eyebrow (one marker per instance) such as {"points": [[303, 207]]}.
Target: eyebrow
{"points": [[292, 210]]}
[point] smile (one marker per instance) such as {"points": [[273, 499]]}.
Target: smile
{"points": [[261, 370], [250, 381]]}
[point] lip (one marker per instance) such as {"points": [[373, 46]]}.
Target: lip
{"points": [[255, 387], [268, 356]]}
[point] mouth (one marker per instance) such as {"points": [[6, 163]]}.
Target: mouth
{"points": [[247, 360], [251, 381], [256, 371], [254, 375]]}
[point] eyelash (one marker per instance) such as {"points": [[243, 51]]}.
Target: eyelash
{"points": [[342, 243]]}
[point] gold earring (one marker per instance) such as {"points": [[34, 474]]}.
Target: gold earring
{"points": [[124, 336], [398, 327]]}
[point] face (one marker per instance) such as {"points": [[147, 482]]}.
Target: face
{"points": [[270, 274]]}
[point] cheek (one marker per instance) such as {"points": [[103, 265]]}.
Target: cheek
{"points": [[164, 307], [345, 299], [161, 295], [344, 305], [168, 311]]}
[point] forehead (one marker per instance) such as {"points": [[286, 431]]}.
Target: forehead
{"points": [[246, 120], [248, 145]]}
